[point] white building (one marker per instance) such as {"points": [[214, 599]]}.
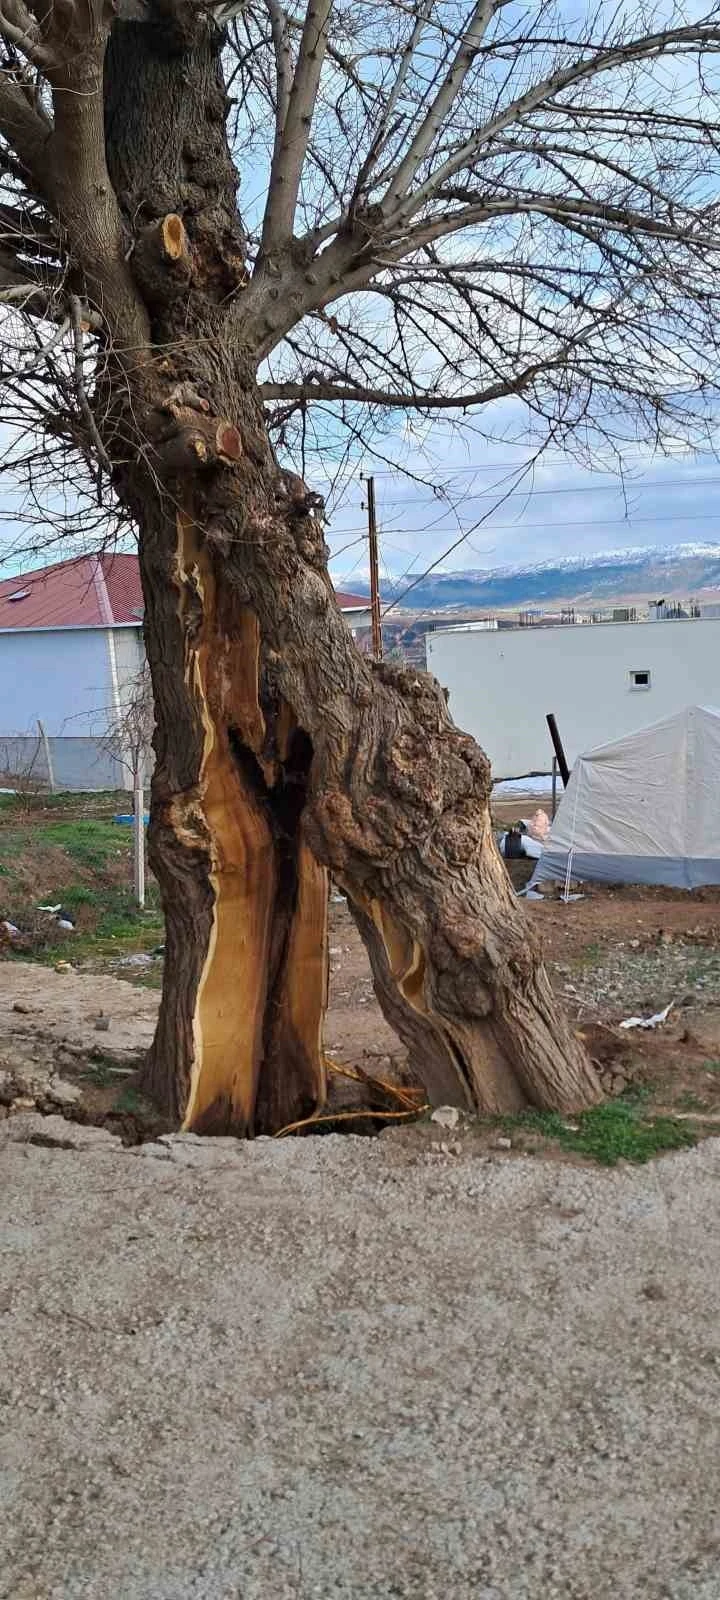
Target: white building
{"points": [[601, 682], [71, 650]]}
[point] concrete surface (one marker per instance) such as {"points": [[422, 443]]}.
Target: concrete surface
{"points": [[62, 1008], [347, 1368]]}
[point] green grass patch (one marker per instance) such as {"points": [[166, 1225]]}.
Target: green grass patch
{"points": [[619, 1130], [688, 1101], [131, 1102], [90, 844]]}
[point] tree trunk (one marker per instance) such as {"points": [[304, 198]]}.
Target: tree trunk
{"points": [[282, 754]]}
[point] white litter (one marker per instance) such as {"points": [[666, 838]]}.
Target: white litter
{"points": [[655, 1021], [446, 1116], [11, 929]]}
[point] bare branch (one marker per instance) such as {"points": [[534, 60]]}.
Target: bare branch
{"points": [[588, 66], [443, 102], [286, 172], [359, 394], [283, 69]]}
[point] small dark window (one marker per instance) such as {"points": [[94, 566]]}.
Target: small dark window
{"points": [[640, 680]]}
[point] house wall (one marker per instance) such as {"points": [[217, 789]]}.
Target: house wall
{"points": [[129, 650], [61, 676], [501, 685], [357, 621]]}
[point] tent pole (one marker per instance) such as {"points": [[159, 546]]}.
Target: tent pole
{"points": [[558, 748]]}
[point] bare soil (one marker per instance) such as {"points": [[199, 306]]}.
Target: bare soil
{"points": [[614, 954]]}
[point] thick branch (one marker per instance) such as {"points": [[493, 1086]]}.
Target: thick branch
{"points": [[86, 200], [27, 133], [283, 69], [288, 165], [444, 100]]}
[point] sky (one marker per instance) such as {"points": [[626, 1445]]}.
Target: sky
{"points": [[499, 509], [449, 499]]}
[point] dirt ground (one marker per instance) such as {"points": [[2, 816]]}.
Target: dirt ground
{"points": [[614, 954], [352, 1369]]}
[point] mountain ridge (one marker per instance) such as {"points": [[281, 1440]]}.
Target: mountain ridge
{"points": [[673, 572]]}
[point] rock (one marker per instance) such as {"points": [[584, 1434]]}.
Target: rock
{"points": [[24, 1010], [63, 1094], [502, 1144], [63, 966], [446, 1116], [31, 1128]]}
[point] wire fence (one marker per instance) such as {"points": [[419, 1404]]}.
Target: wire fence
{"points": [[59, 762]]}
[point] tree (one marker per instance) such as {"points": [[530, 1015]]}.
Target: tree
{"points": [[531, 203], [129, 734]]}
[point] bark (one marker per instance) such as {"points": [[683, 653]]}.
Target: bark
{"points": [[282, 755]]}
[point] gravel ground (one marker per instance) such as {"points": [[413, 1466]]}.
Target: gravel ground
{"points": [[347, 1368], [623, 980]]}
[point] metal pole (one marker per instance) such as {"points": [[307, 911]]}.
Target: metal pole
{"points": [[139, 842], [377, 643], [558, 748], [554, 787]]}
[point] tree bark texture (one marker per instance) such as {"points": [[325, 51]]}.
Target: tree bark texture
{"points": [[282, 754]]}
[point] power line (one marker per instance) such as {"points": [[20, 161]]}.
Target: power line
{"points": [[502, 466], [596, 522], [590, 488]]}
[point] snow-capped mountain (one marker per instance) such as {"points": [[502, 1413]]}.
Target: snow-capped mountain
{"points": [[671, 572]]}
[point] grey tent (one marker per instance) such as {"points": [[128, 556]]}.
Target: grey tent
{"points": [[645, 809]]}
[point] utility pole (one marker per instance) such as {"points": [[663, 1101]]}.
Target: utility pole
{"points": [[374, 586]]}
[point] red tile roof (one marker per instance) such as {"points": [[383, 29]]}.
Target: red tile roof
{"points": [[86, 592], [351, 602], [97, 591]]}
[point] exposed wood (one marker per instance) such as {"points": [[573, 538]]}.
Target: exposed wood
{"points": [[162, 259], [259, 997]]}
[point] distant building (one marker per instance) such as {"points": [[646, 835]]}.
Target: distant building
{"points": [[601, 682]]}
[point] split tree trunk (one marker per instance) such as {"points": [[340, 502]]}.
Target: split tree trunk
{"points": [[282, 754]]}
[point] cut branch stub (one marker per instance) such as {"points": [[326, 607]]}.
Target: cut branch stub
{"points": [[198, 440], [227, 442], [162, 259]]}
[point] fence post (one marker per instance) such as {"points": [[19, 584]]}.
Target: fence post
{"points": [[139, 841], [48, 757]]}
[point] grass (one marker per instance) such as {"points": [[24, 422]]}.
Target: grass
{"points": [[688, 1101], [131, 1102], [85, 865], [619, 1130], [106, 802]]}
